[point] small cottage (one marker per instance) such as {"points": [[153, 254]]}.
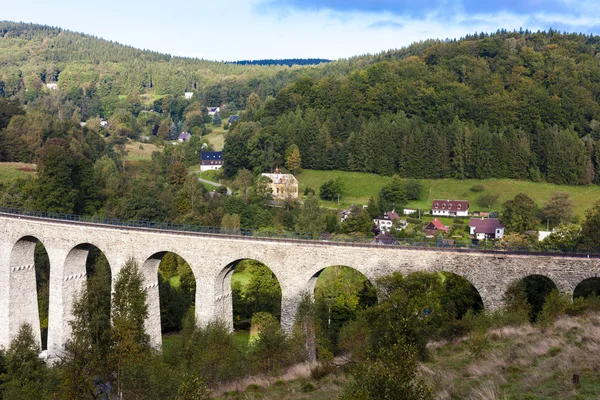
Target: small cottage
{"points": [[486, 228], [435, 227]]}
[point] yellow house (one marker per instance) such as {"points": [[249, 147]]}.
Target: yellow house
{"points": [[283, 186]]}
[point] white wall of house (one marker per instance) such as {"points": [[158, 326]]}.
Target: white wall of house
{"points": [[383, 224], [499, 233], [209, 167], [446, 212]]}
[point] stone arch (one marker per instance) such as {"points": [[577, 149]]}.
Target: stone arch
{"points": [[75, 274], [452, 286], [22, 288], [538, 285], [223, 292], [587, 287], [171, 319]]}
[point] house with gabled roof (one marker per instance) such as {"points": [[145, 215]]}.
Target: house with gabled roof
{"points": [[384, 222], [385, 238], [435, 227], [211, 160], [486, 228], [450, 208]]}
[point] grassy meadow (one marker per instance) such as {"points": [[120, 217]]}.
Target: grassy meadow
{"points": [[140, 151], [360, 186], [216, 137], [9, 171]]}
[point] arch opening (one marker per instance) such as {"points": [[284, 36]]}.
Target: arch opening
{"points": [[587, 288], [340, 293], [534, 288], [177, 293], [248, 290], [87, 289], [459, 296], [29, 285]]}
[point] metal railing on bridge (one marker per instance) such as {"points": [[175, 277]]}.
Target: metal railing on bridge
{"points": [[325, 239]]}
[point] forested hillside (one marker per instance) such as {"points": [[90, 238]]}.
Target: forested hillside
{"points": [[33, 55], [508, 105]]}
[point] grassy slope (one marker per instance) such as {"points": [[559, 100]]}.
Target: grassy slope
{"points": [[520, 363], [216, 137], [140, 151], [360, 186], [11, 171]]}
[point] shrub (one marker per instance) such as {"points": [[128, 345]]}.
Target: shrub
{"points": [[307, 387], [555, 305], [412, 220], [331, 189], [478, 188], [478, 344], [321, 371], [578, 307]]}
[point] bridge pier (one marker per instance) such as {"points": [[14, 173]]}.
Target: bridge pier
{"points": [[21, 289]]}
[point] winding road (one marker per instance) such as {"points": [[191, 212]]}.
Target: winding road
{"points": [[217, 184]]}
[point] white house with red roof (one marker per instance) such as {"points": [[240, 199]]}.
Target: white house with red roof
{"points": [[450, 208], [486, 228]]}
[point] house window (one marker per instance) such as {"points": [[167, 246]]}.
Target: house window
{"points": [[458, 207], [436, 205], [444, 205], [449, 206]]}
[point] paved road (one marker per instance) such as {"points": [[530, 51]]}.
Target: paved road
{"points": [[217, 184]]}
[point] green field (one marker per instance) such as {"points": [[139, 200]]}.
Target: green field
{"points": [[360, 186], [11, 171], [216, 137]]}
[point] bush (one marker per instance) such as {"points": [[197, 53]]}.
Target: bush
{"points": [[307, 387], [415, 221], [413, 189], [578, 307], [331, 189], [555, 305], [478, 188], [321, 371]]}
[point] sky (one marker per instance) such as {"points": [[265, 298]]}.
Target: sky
{"points": [[257, 29]]}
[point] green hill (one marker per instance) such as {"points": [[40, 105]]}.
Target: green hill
{"points": [[360, 186]]}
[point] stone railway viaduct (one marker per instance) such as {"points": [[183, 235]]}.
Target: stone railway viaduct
{"points": [[212, 258]]}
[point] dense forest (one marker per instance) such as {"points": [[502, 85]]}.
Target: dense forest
{"points": [[507, 105], [288, 62]]}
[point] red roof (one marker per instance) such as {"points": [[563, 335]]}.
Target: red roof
{"points": [[485, 225], [451, 205], [437, 224]]}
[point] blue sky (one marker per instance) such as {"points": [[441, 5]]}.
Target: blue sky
{"points": [[253, 29]]}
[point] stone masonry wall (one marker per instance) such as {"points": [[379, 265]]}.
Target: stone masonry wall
{"points": [[296, 265]]}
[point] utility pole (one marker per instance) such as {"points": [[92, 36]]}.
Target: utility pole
{"points": [[338, 202]]}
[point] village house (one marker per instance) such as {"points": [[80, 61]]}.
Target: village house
{"points": [[184, 137], [211, 160], [450, 208], [188, 95], [486, 228], [213, 110], [52, 86], [435, 227], [384, 223], [410, 211], [385, 238], [232, 119], [283, 186]]}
